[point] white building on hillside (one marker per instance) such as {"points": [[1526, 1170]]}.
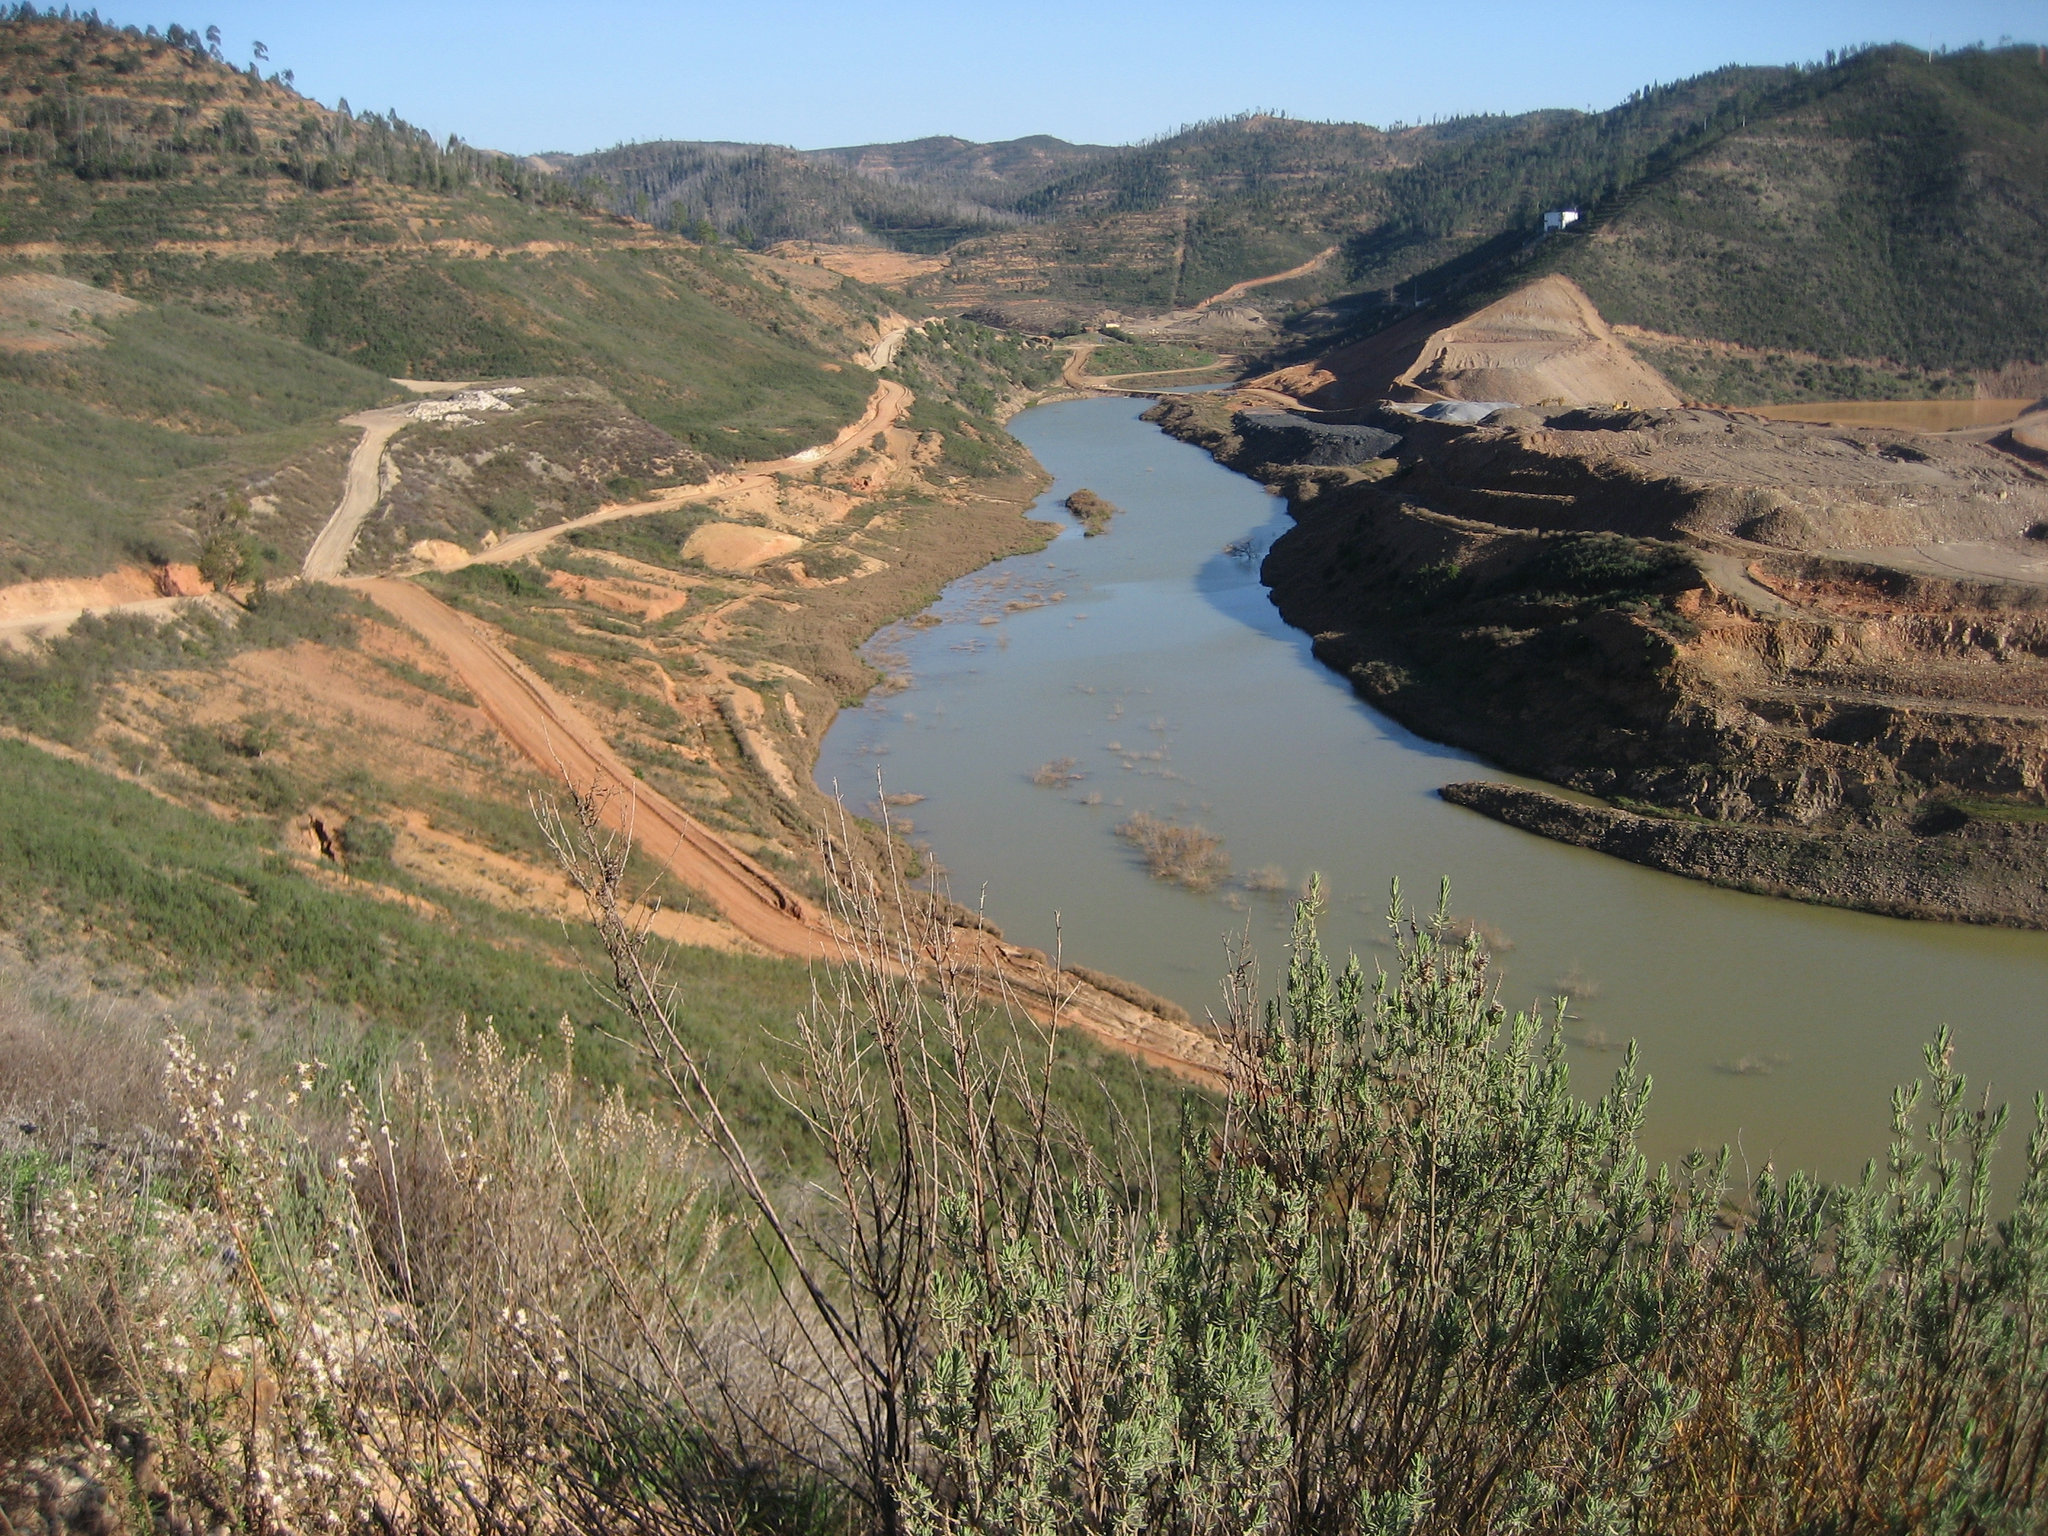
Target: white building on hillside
{"points": [[1559, 218]]}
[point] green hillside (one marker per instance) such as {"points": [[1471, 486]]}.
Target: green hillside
{"points": [[103, 441], [1893, 207], [285, 261]]}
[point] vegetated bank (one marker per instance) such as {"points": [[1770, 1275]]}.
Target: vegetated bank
{"points": [[487, 1289], [204, 270]]}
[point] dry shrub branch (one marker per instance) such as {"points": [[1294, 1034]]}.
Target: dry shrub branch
{"points": [[1405, 1281], [1189, 856]]}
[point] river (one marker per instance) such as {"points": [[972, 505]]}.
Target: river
{"points": [[1154, 659]]}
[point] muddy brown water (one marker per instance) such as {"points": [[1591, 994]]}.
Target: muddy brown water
{"points": [[1910, 415], [1154, 659]]}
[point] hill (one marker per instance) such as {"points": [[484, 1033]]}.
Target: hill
{"points": [[923, 195], [1863, 228], [1871, 220], [1893, 207], [249, 266]]}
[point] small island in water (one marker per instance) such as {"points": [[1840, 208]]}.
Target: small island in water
{"points": [[1093, 511]]}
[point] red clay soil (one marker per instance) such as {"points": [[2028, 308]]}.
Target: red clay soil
{"points": [[550, 731], [547, 729]]}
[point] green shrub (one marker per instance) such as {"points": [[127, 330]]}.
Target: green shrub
{"points": [[1602, 565], [365, 840], [57, 692]]}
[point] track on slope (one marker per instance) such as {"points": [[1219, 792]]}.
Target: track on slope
{"points": [[549, 731]]}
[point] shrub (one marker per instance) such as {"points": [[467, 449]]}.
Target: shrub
{"points": [[1060, 773], [1407, 1281], [1189, 856], [1093, 510], [365, 840], [1599, 565]]}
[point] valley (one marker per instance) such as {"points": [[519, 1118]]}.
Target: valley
{"points": [[928, 836]]}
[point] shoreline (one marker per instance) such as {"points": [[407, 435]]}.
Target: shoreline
{"points": [[1955, 862], [1900, 875]]}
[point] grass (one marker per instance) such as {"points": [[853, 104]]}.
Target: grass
{"points": [[2014, 812], [1147, 357], [106, 446], [719, 360], [185, 899]]}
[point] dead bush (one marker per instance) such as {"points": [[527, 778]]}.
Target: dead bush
{"points": [[1190, 856], [1060, 773]]}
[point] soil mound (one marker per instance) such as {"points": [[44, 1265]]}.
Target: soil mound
{"points": [[738, 547], [2030, 435], [1544, 344], [127, 584]]}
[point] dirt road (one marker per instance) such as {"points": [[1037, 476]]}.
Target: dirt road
{"points": [[551, 733], [1730, 575], [556, 737], [884, 351], [48, 623], [1075, 375], [1239, 290], [2022, 562], [889, 401], [328, 557], [549, 730]]}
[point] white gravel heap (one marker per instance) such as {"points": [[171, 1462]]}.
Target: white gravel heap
{"points": [[464, 403]]}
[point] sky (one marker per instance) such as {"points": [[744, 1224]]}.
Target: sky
{"points": [[526, 77]]}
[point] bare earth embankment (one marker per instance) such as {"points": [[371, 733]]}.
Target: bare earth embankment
{"points": [[1806, 658]]}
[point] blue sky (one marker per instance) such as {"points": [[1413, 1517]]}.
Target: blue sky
{"points": [[527, 77]]}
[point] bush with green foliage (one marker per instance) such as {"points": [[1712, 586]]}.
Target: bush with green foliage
{"points": [[1602, 565], [1408, 1282]]}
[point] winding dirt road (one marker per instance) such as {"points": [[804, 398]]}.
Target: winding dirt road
{"points": [[556, 737], [1075, 375], [1239, 290], [327, 559], [889, 401]]}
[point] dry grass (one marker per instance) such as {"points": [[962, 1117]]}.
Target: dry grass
{"points": [[1092, 510], [1190, 856], [1060, 773], [1495, 941]]}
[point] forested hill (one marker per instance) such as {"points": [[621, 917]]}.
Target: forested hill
{"points": [[1894, 207], [1881, 205], [923, 195], [1172, 222]]}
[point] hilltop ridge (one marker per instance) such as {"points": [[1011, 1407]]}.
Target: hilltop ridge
{"points": [[1866, 223]]}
